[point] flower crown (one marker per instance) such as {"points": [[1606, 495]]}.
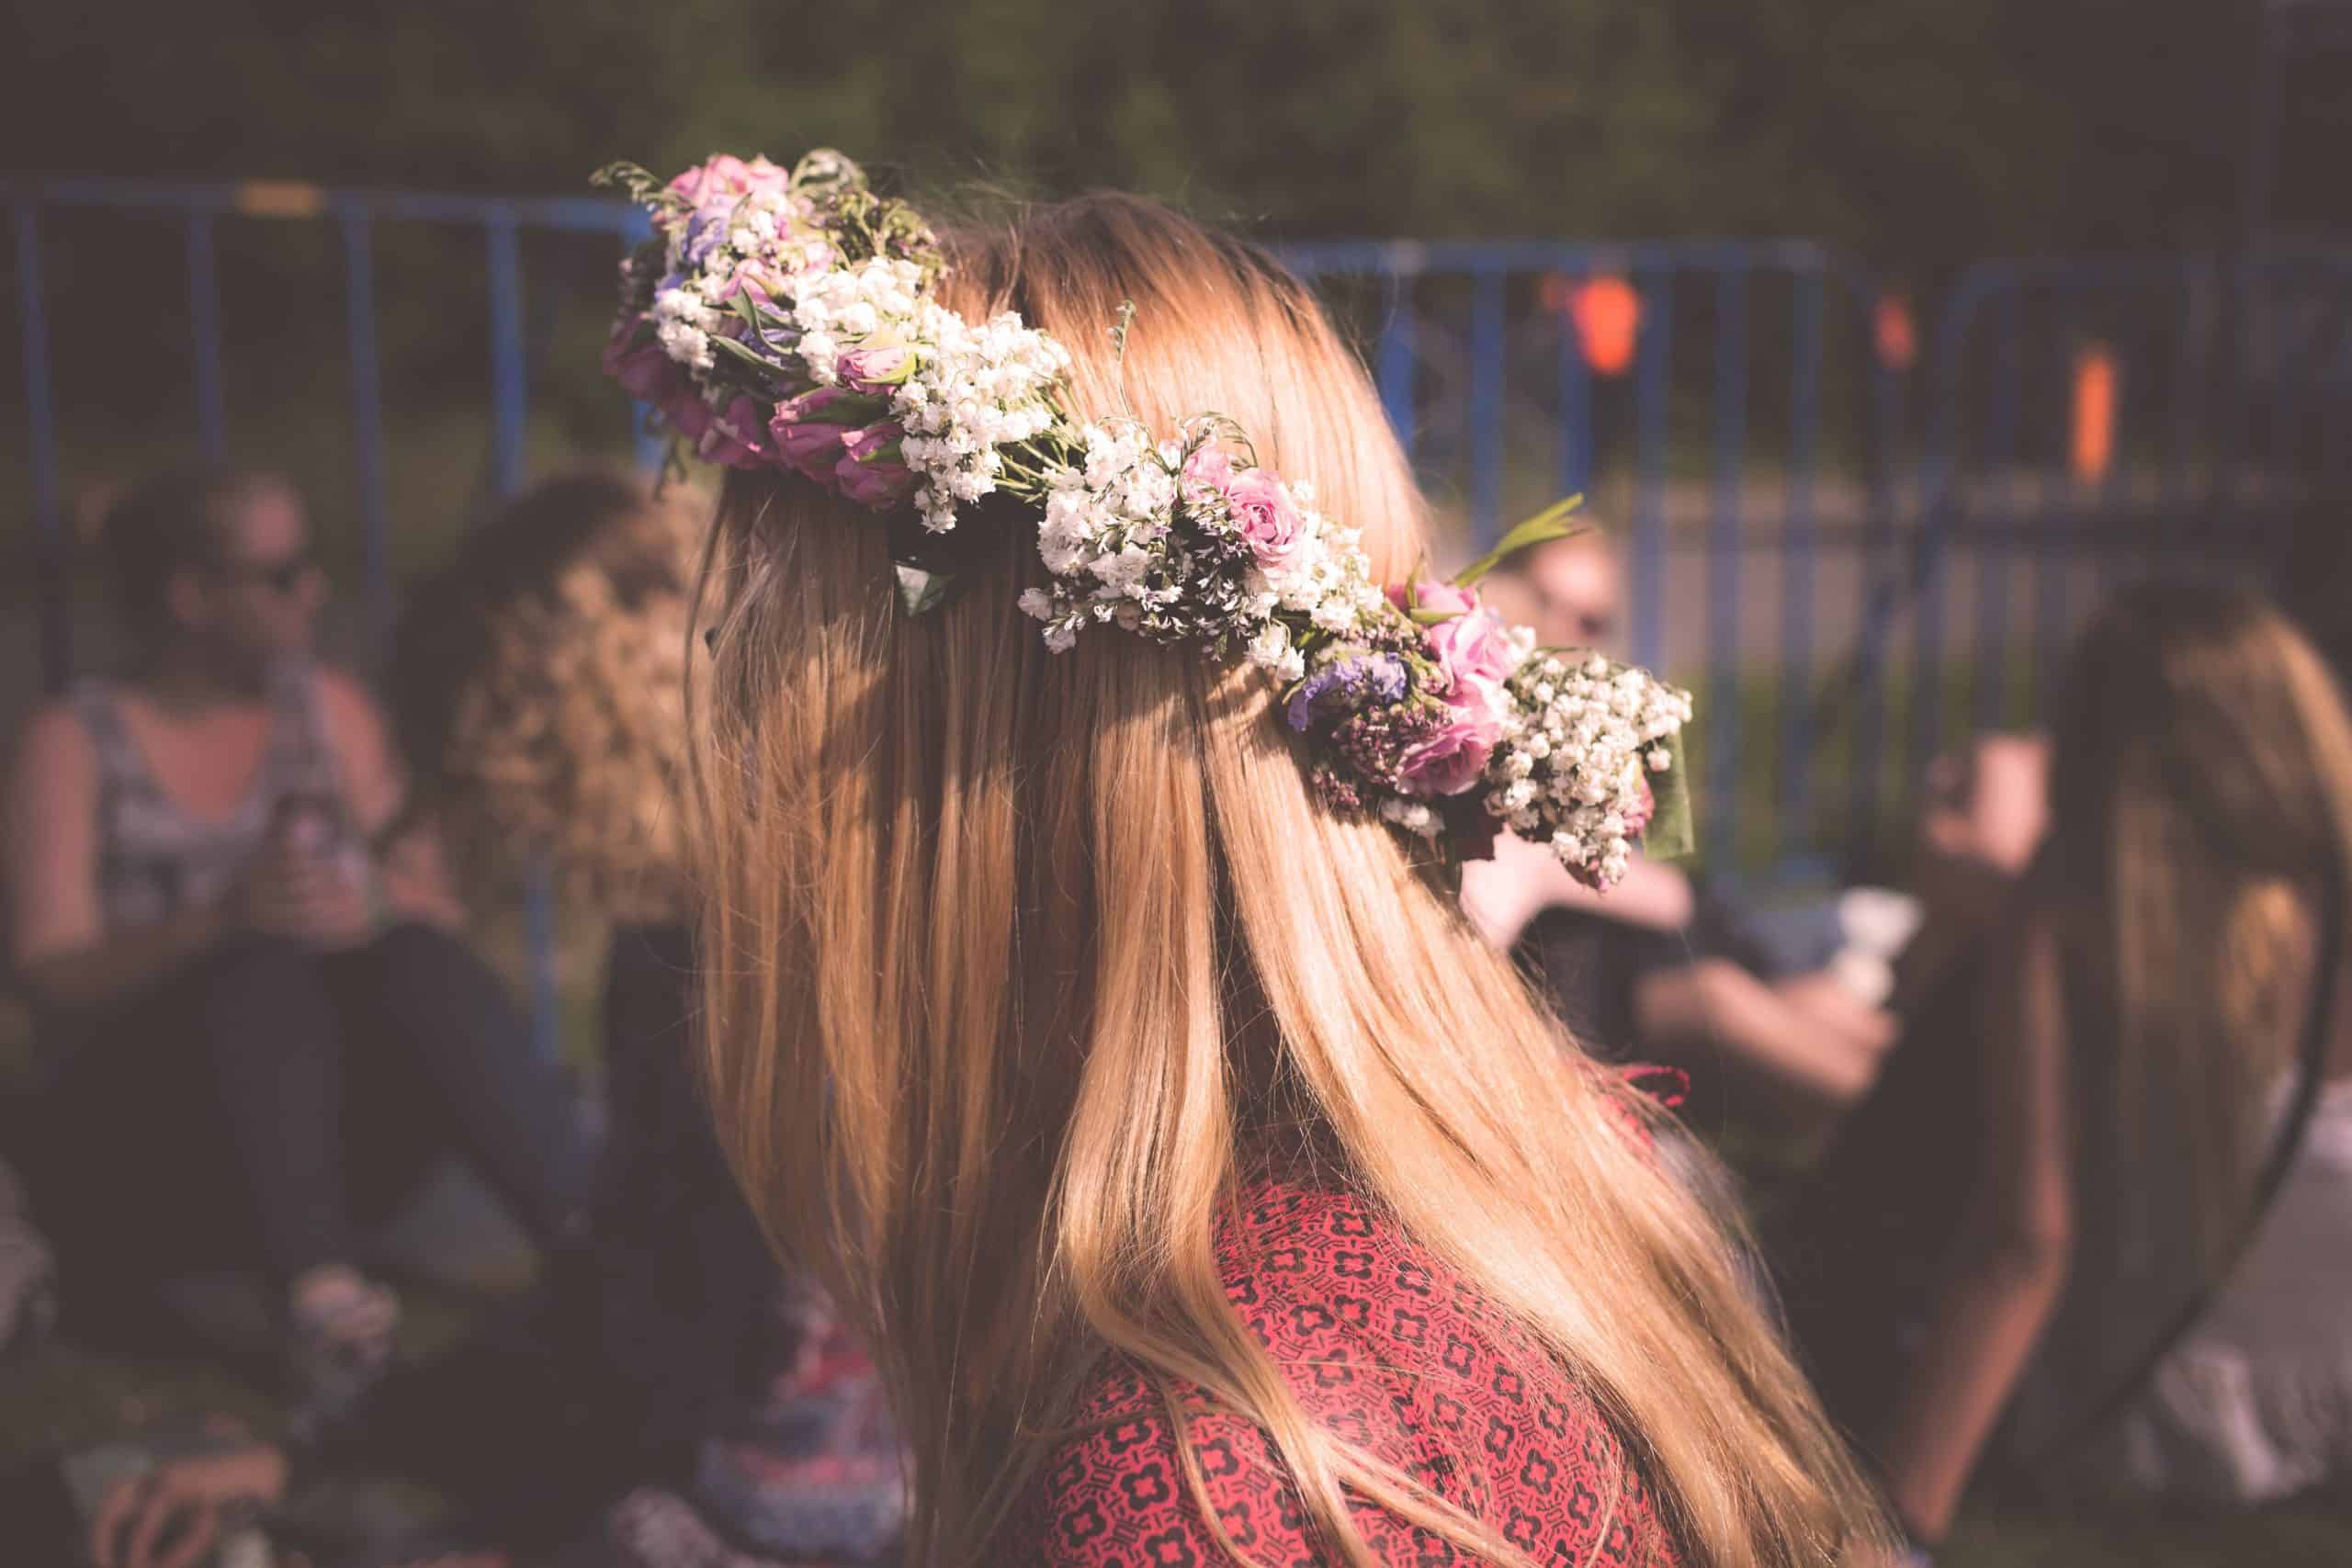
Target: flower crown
{"points": [[786, 321]]}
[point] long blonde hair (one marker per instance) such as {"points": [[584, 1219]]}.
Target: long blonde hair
{"points": [[2201, 791], [1017, 961]]}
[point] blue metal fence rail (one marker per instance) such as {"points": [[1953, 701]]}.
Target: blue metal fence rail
{"points": [[358, 213], [1830, 297], [1454, 320], [2220, 495]]}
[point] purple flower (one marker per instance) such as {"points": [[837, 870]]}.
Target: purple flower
{"points": [[706, 228], [808, 432], [875, 486], [1343, 685], [869, 470], [644, 371], [729, 437]]}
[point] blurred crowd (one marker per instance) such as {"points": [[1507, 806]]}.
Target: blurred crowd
{"points": [[2071, 1102]]}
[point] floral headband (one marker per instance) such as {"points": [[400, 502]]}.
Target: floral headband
{"points": [[786, 321]]}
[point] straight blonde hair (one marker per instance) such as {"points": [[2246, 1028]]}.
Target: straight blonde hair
{"points": [[1017, 963]]}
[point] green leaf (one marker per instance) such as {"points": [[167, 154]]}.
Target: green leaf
{"points": [[1430, 617], [919, 590], [1543, 527], [734, 346], [1670, 835]]}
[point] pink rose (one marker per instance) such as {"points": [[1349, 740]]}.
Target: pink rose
{"points": [[1474, 646], [1452, 760], [877, 367], [1437, 598], [727, 176], [1207, 473], [1264, 515]]}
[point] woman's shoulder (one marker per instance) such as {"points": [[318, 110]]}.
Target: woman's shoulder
{"points": [[55, 747], [1385, 1348]]}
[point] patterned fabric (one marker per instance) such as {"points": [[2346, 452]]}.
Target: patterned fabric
{"points": [[153, 859], [1388, 1350], [810, 1474]]}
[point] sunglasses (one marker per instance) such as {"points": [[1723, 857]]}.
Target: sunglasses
{"points": [[281, 577]]}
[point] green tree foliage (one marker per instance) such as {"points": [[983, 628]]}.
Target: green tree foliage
{"points": [[1914, 131]]}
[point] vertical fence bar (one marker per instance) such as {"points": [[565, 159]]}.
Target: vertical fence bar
{"points": [[1397, 358], [368, 430], [651, 443], [2229, 424], [1798, 559], [2060, 525], [2115, 553], [509, 387], [204, 332], [2291, 358], [1653, 430], [1879, 536], [40, 432], [2175, 478], [510, 414], [1994, 544], [1487, 373], [1723, 564], [1576, 445], [1928, 614]]}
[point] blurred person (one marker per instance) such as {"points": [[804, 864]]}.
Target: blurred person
{"points": [[2093, 1224], [1206, 1188], [1787, 1001], [1570, 591], [672, 1399], [540, 689], [258, 1024]]}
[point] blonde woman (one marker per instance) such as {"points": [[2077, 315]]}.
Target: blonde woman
{"points": [[2101, 1229], [1208, 1190]]}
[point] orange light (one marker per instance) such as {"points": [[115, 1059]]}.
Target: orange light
{"points": [[1607, 313], [1896, 334], [2095, 375], [280, 198]]}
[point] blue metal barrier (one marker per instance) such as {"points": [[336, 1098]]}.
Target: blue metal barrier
{"points": [[1748, 356], [359, 214], [1475, 296], [2194, 480]]}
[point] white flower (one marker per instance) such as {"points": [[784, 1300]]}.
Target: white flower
{"points": [[1270, 650], [1410, 815], [1036, 604], [1660, 759], [1122, 571], [689, 345]]}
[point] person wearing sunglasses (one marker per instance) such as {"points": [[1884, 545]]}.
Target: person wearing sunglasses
{"points": [[258, 1025]]}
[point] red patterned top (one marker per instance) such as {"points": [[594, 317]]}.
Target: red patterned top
{"points": [[1385, 1348]]}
